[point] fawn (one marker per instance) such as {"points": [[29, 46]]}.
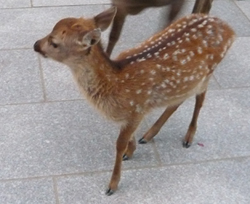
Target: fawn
{"points": [[133, 7], [165, 70]]}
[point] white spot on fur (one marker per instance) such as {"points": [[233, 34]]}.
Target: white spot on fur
{"points": [[185, 79], [171, 30], [191, 78], [131, 103], [191, 53], [174, 57], [183, 61], [153, 72], [140, 59], [158, 66], [138, 91], [194, 37], [166, 81], [199, 50], [163, 85], [138, 108], [194, 30], [166, 56]]}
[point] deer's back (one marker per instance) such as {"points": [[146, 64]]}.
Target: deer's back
{"points": [[176, 62]]}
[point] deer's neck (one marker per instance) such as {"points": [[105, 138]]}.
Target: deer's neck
{"points": [[95, 75]]}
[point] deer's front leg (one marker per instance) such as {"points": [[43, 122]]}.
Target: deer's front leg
{"points": [[121, 147]]}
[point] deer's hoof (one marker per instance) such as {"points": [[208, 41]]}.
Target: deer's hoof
{"points": [[125, 157], [186, 144], [109, 192], [142, 141]]}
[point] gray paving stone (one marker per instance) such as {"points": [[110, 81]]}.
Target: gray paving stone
{"points": [[58, 82], [14, 3], [245, 7], [20, 28], [227, 11], [39, 191], [20, 77], [225, 182], [59, 138], [223, 128], [67, 2], [234, 69]]}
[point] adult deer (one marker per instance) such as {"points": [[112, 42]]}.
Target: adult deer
{"points": [[133, 7], [163, 71]]}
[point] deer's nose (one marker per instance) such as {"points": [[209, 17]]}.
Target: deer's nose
{"points": [[37, 46]]}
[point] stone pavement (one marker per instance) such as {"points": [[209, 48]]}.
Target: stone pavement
{"points": [[56, 149]]}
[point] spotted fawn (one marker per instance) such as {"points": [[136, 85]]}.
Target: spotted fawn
{"points": [[165, 70]]}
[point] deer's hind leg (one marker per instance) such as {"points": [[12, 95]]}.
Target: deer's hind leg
{"points": [[130, 149], [193, 125], [158, 124]]}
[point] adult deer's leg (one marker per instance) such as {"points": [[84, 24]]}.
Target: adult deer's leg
{"points": [[121, 146], [116, 30], [193, 125], [202, 6], [175, 7], [158, 124]]}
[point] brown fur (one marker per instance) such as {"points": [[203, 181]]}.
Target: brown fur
{"points": [[165, 70]]}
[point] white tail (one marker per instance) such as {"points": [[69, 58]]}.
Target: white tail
{"points": [[165, 70]]}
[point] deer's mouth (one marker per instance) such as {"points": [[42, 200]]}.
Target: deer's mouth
{"points": [[38, 49]]}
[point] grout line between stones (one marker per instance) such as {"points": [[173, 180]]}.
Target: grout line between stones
{"points": [[42, 80], [216, 81], [87, 173], [54, 6], [241, 10], [56, 190]]}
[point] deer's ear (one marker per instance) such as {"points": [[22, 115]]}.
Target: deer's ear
{"points": [[104, 19], [91, 38]]}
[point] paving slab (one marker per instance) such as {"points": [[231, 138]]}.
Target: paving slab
{"points": [[233, 71], [20, 77], [35, 191], [24, 26], [14, 3], [59, 138], [223, 128], [224, 182], [245, 7], [58, 81]]}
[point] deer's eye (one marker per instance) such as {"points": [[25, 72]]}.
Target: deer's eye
{"points": [[54, 44]]}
